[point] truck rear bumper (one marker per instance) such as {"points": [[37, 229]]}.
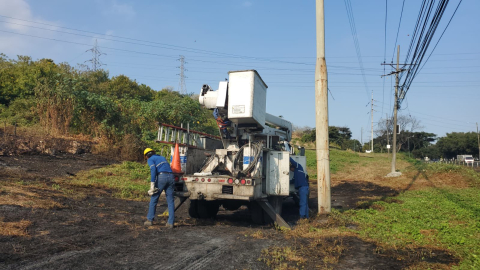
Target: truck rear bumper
{"points": [[216, 191], [232, 197], [182, 194]]}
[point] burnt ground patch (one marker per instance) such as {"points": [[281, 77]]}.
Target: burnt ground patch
{"points": [[107, 233], [359, 194], [48, 166], [88, 228]]}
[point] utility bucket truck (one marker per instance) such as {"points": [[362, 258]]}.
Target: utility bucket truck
{"points": [[252, 166]]}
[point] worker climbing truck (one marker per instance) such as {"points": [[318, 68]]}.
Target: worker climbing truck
{"points": [[252, 166]]}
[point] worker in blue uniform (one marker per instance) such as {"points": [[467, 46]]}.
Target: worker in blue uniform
{"points": [[161, 179], [301, 183], [223, 124]]}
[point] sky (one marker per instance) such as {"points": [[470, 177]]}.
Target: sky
{"points": [[144, 40]]}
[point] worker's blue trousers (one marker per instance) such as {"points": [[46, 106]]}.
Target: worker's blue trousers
{"points": [[303, 194], [164, 182]]}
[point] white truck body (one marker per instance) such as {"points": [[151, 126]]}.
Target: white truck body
{"points": [[252, 168], [462, 157]]}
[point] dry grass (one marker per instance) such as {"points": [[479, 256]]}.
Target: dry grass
{"points": [[259, 235], [282, 258], [26, 197], [374, 169], [14, 228]]}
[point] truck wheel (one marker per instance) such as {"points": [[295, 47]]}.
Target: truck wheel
{"points": [[296, 199], [257, 213], [192, 209], [206, 209], [213, 208]]}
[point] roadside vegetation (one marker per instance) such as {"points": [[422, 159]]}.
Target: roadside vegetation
{"points": [[432, 220], [117, 114], [128, 180]]}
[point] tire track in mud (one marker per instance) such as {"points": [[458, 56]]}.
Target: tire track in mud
{"points": [[63, 256], [202, 255]]}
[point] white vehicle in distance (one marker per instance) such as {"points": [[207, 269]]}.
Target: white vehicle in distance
{"points": [[469, 160]]}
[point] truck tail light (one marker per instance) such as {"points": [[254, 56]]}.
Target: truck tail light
{"points": [[230, 180], [248, 182], [203, 179], [243, 182], [196, 179], [221, 180], [184, 178], [209, 180], [176, 178]]}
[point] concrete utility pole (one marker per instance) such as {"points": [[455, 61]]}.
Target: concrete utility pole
{"points": [[361, 138], [394, 143], [388, 140], [371, 113], [321, 116], [478, 139]]}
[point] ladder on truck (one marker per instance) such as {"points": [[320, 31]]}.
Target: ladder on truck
{"points": [[169, 134]]}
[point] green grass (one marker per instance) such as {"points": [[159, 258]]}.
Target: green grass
{"points": [[129, 180], [338, 160], [447, 219], [443, 218], [432, 218]]}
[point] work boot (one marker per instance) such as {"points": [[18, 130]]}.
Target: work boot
{"points": [[169, 226], [148, 223]]}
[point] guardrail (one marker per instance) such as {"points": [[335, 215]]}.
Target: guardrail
{"points": [[475, 164]]}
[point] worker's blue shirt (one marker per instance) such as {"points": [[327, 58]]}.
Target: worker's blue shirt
{"points": [[158, 164], [299, 175]]}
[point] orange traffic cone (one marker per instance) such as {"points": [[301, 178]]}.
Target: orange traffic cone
{"points": [[176, 165]]}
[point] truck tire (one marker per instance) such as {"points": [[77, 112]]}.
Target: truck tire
{"points": [[257, 213], [206, 209], [296, 199], [192, 209]]}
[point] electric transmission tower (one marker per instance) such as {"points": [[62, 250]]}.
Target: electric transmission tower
{"points": [[182, 88], [95, 57]]}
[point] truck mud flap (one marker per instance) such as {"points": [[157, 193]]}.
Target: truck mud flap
{"points": [[178, 202], [268, 208]]}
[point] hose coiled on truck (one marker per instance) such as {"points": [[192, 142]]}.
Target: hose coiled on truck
{"points": [[256, 148]]}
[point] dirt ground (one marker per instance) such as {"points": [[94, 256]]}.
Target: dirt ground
{"points": [[97, 231]]}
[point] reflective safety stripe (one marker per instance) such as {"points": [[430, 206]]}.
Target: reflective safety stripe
{"points": [[160, 163]]}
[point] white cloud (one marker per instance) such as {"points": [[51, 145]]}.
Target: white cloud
{"points": [[247, 4], [121, 9], [17, 9], [20, 37], [19, 13]]}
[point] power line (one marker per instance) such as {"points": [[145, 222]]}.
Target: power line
{"points": [[422, 36], [441, 35], [353, 29], [398, 30], [135, 41]]}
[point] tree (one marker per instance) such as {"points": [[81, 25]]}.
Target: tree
{"points": [[121, 87], [407, 124], [458, 143], [336, 135]]}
